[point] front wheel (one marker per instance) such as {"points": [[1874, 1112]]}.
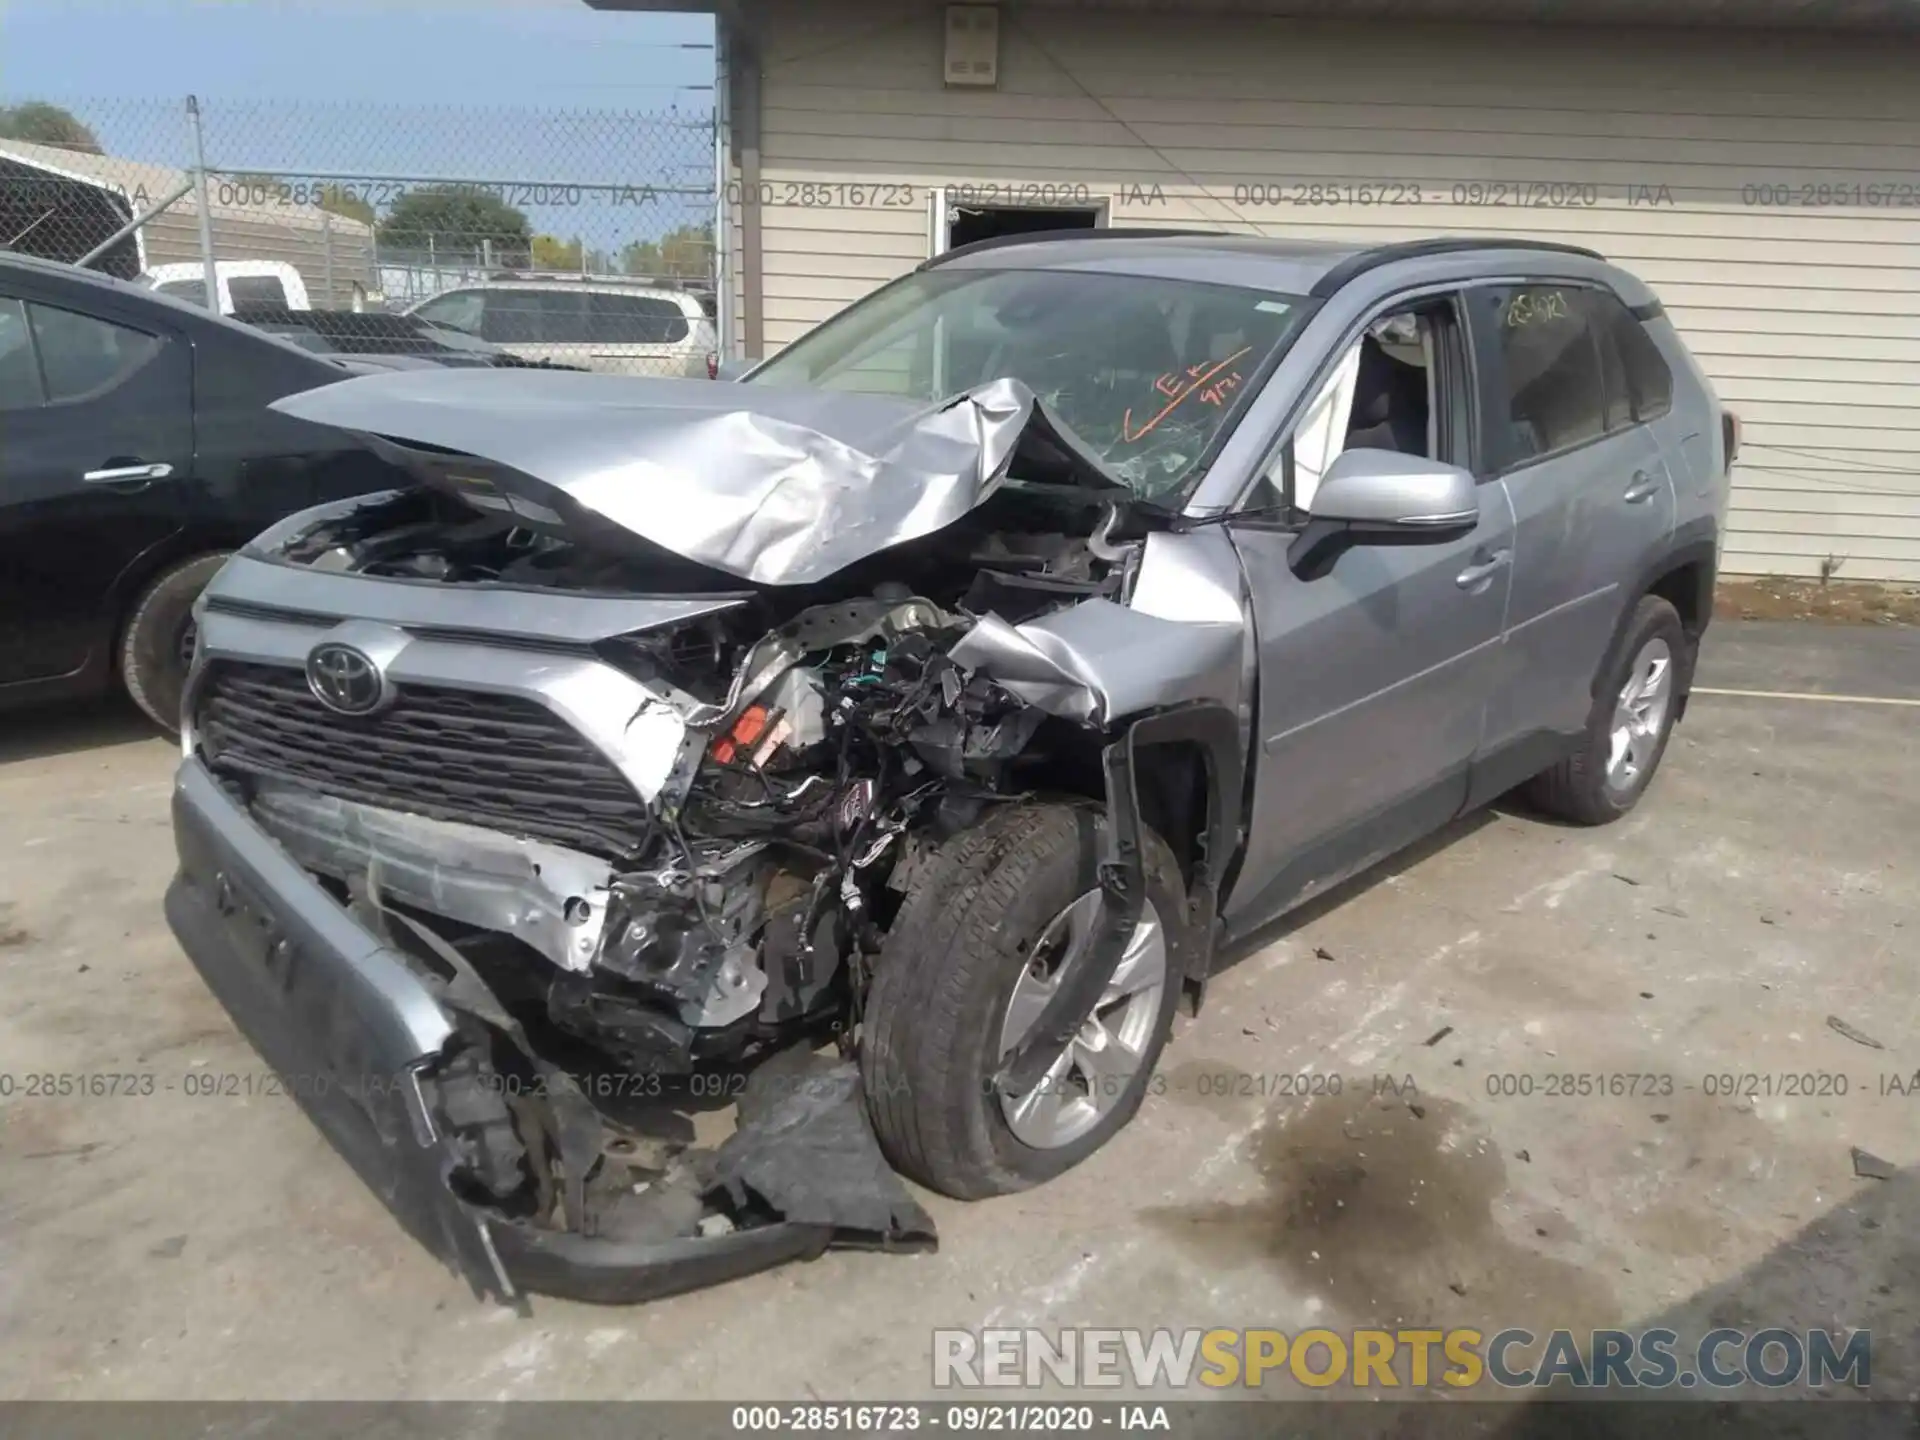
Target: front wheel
{"points": [[1634, 709], [972, 959]]}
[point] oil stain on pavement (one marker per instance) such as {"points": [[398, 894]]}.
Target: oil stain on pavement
{"points": [[1385, 1211]]}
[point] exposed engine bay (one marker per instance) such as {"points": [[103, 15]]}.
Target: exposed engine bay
{"points": [[631, 795], [830, 737], [814, 744]]}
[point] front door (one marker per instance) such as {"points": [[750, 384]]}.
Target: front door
{"points": [[1374, 675], [96, 443]]}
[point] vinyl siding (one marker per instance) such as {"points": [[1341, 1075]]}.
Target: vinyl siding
{"points": [[1806, 316], [175, 239]]}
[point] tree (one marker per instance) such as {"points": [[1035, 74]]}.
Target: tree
{"points": [[457, 220], [553, 253], [46, 124], [685, 252]]}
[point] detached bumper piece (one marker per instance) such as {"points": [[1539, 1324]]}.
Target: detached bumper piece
{"points": [[388, 1072]]}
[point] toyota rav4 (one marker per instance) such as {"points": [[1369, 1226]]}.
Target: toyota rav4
{"points": [[890, 741]]}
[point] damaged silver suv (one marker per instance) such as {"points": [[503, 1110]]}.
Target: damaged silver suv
{"points": [[888, 742]]}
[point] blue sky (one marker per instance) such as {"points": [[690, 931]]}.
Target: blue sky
{"points": [[516, 52], [539, 92]]}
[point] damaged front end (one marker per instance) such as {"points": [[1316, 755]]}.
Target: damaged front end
{"points": [[533, 840]]}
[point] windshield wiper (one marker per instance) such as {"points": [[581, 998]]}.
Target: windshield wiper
{"points": [[1282, 514]]}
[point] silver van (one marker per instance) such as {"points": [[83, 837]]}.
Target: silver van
{"points": [[602, 324]]}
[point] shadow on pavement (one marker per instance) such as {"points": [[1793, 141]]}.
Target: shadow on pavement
{"points": [[1856, 1267], [63, 729]]}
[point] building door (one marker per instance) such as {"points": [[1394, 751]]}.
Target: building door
{"points": [[955, 219]]}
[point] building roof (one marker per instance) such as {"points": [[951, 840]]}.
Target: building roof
{"points": [[143, 184], [1862, 15]]}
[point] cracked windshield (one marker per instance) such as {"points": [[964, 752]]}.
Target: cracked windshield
{"points": [[1144, 371]]}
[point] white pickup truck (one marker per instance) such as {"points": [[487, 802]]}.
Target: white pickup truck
{"points": [[242, 283]]}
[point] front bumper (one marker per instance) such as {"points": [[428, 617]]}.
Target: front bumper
{"points": [[352, 1031]]}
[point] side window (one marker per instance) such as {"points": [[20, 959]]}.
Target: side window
{"points": [[1548, 386], [1648, 381], [458, 311], [1385, 393], [19, 371], [563, 317], [81, 356], [1613, 375], [634, 320], [512, 317], [1394, 387]]}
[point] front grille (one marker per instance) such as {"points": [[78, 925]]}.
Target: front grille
{"points": [[498, 761]]}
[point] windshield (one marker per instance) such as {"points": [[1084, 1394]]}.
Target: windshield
{"points": [[1145, 371]]}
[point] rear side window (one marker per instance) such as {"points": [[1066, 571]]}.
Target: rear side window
{"points": [[1643, 369], [19, 372], [1571, 365], [81, 356], [634, 320]]}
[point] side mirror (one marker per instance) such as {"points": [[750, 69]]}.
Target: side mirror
{"points": [[1381, 497], [732, 367], [1377, 491]]}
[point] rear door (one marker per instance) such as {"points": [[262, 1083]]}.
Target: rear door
{"points": [[639, 335], [522, 322], [96, 445], [253, 465], [1592, 499]]}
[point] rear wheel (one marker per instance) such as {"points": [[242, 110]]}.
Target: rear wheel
{"points": [[971, 961], [156, 647], [1634, 709]]}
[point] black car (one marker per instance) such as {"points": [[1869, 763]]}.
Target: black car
{"points": [[136, 451]]}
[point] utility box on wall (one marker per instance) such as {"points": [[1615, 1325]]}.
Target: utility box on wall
{"points": [[973, 45]]}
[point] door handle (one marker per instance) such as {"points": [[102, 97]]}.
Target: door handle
{"points": [[1474, 574], [126, 474], [1644, 487]]}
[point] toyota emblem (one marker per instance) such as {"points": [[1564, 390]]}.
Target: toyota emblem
{"points": [[344, 679]]}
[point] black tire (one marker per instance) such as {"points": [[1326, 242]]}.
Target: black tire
{"points": [[153, 663], [1576, 789], [933, 1015]]}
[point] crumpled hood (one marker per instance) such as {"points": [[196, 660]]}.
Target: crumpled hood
{"points": [[779, 487]]}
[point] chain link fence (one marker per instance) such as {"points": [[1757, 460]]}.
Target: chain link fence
{"points": [[580, 238]]}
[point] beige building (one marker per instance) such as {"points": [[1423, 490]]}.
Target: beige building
{"points": [[252, 219], [1756, 161]]}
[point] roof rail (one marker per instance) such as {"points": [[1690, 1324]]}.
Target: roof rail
{"points": [[1104, 232], [1366, 260]]}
